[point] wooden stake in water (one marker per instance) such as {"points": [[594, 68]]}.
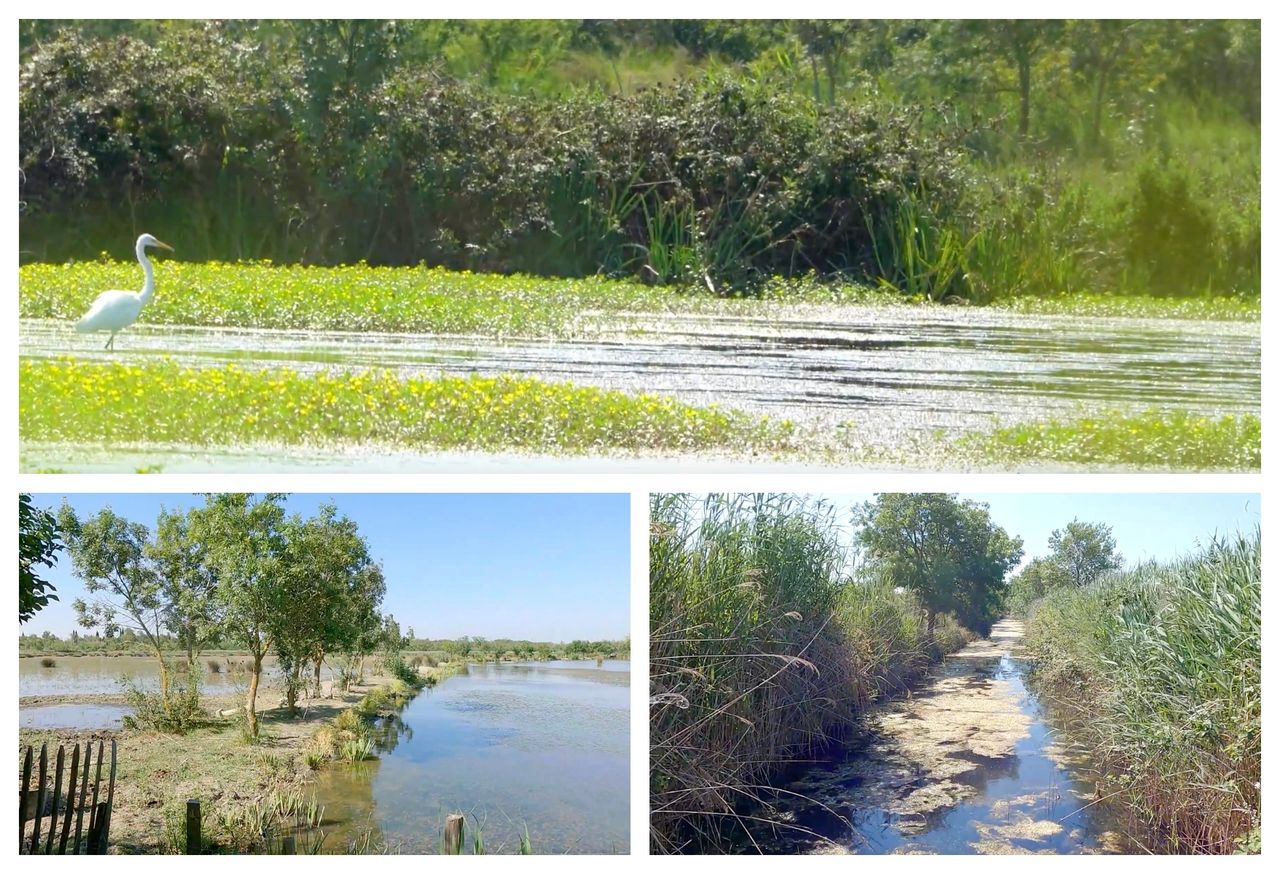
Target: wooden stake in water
{"points": [[453, 834]]}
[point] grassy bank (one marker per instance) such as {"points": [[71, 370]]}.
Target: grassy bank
{"points": [[245, 789], [1160, 672], [762, 650], [165, 402]]}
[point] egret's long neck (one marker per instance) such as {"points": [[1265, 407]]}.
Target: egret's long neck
{"points": [[149, 285]]}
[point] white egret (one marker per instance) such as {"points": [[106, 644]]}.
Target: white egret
{"points": [[116, 310]]}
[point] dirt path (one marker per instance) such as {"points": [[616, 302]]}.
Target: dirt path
{"points": [[964, 764]]}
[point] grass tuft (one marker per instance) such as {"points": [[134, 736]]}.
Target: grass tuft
{"points": [[762, 649]]}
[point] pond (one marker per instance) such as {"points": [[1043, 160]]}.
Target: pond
{"points": [[888, 371], [74, 716], [102, 675], [972, 763], [536, 746]]}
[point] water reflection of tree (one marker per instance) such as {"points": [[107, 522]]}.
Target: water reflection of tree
{"points": [[388, 732]]}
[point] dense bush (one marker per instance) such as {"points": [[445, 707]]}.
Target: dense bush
{"points": [[234, 159], [1161, 667]]}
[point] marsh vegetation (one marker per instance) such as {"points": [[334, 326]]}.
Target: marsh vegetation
{"points": [[345, 180], [816, 687]]}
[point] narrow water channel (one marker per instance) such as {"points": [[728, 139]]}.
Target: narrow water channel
{"points": [[542, 747], [971, 762]]}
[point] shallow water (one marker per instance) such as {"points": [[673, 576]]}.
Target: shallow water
{"points": [[104, 675], [77, 716], [886, 370], [542, 746], [999, 780]]}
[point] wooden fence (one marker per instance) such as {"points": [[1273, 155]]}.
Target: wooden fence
{"points": [[33, 803]]}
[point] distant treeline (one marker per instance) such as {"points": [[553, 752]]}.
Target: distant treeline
{"points": [[128, 642], [944, 158]]}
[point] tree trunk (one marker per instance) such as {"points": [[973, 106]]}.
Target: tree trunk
{"points": [[1099, 98], [319, 661], [1024, 98], [164, 678], [251, 706]]}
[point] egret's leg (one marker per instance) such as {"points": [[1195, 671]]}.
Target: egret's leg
{"points": [[111, 341]]}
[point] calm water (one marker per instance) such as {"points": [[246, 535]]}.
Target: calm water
{"points": [[77, 716], [102, 675], [542, 746], [886, 371]]}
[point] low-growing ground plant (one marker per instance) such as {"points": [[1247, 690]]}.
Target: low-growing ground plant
{"points": [[165, 402], [1168, 440]]}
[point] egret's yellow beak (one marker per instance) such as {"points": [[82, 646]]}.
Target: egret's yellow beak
{"points": [[164, 245]]}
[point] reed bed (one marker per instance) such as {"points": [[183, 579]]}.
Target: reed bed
{"points": [[1161, 669], [764, 649]]}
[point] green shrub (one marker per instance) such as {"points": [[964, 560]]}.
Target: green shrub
{"points": [[177, 714]]}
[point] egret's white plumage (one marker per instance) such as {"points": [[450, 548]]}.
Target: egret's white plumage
{"points": [[116, 310]]}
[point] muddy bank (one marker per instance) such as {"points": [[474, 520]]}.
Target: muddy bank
{"points": [[967, 763]]}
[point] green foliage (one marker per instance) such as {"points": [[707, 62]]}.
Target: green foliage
{"points": [[38, 546], [168, 403], [1161, 666], [978, 159], [352, 298], [1159, 439], [947, 551], [1085, 551], [176, 713], [762, 650]]}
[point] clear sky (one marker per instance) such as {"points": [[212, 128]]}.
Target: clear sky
{"points": [[535, 567], [1145, 526]]}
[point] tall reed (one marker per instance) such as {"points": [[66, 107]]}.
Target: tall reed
{"points": [[1161, 668], [763, 649]]}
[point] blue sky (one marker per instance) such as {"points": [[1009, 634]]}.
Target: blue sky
{"points": [[1145, 526], [538, 567]]}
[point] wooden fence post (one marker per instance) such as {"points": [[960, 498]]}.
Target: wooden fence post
{"points": [[193, 827], [453, 834]]}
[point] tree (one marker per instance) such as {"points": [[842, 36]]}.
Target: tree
{"points": [[1085, 551], [947, 551], [39, 543], [825, 43], [998, 48], [244, 546], [1033, 582], [127, 597], [193, 613], [325, 560]]}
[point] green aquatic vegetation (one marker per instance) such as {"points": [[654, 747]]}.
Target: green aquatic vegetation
{"points": [[351, 298], [1209, 309], [167, 403], [1174, 440]]}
